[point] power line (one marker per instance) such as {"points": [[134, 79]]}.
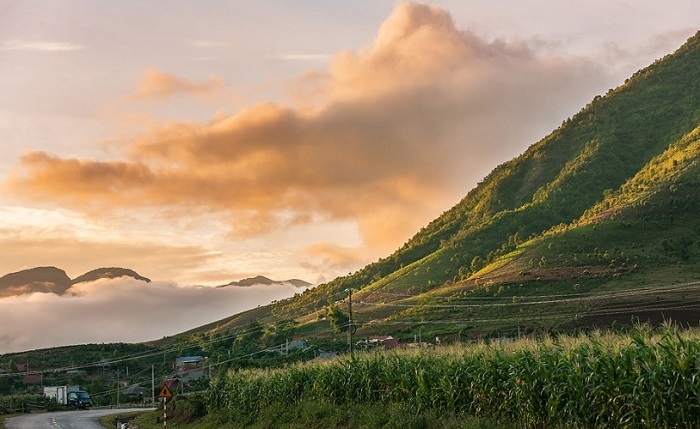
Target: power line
{"points": [[522, 300]]}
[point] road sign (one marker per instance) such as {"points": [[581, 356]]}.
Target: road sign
{"points": [[165, 392]]}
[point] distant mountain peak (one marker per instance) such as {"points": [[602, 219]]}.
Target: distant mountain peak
{"points": [[262, 280], [55, 280], [39, 279], [109, 273]]}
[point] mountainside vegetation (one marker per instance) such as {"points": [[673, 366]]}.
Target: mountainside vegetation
{"points": [[594, 226], [605, 204]]}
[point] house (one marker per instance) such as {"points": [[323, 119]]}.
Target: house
{"points": [[172, 383], [290, 346], [133, 393], [296, 345], [191, 374], [33, 379], [381, 341], [189, 362], [34, 382], [190, 368], [22, 367], [384, 341]]}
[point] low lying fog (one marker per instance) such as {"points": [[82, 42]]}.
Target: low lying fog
{"points": [[122, 310]]}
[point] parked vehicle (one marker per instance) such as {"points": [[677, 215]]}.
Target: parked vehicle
{"points": [[71, 396]]}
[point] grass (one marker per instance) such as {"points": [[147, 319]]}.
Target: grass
{"points": [[5, 417], [111, 420], [320, 415]]}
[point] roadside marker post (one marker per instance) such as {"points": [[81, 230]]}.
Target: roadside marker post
{"points": [[165, 394]]}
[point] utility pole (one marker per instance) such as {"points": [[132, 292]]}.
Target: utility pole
{"points": [[153, 386], [351, 326], [117, 388]]}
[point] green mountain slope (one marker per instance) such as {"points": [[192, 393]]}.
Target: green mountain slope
{"points": [[600, 204], [556, 180]]}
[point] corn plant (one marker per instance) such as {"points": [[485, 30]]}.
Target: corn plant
{"points": [[644, 380]]}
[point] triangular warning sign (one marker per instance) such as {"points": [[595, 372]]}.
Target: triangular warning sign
{"points": [[165, 392]]}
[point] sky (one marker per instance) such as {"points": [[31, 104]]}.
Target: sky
{"points": [[203, 142]]}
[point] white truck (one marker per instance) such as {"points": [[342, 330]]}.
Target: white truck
{"points": [[71, 396]]}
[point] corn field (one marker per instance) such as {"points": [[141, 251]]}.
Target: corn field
{"points": [[643, 380]]}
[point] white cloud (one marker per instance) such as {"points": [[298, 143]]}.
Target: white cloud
{"points": [[305, 57], [40, 46]]}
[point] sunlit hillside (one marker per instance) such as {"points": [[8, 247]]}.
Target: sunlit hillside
{"points": [[597, 215]]}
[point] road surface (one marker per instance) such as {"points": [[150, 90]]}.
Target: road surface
{"points": [[85, 419]]}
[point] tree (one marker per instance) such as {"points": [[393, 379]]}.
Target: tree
{"points": [[477, 263], [279, 332], [337, 319]]}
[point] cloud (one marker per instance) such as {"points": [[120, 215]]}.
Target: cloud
{"points": [[157, 85], [122, 310], [389, 137], [40, 46], [208, 44], [332, 258], [304, 57]]}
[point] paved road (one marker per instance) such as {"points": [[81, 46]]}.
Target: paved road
{"points": [[86, 419]]}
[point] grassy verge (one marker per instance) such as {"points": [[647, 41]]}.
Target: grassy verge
{"points": [[3, 418], [110, 421], [318, 415]]}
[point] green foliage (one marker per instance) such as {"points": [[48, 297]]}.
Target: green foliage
{"points": [[187, 409], [278, 333], [645, 380], [95, 368], [13, 404], [337, 318], [314, 414]]}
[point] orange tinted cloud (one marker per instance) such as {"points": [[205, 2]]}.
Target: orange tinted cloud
{"points": [[161, 86], [79, 180], [389, 137], [78, 256], [332, 258]]}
